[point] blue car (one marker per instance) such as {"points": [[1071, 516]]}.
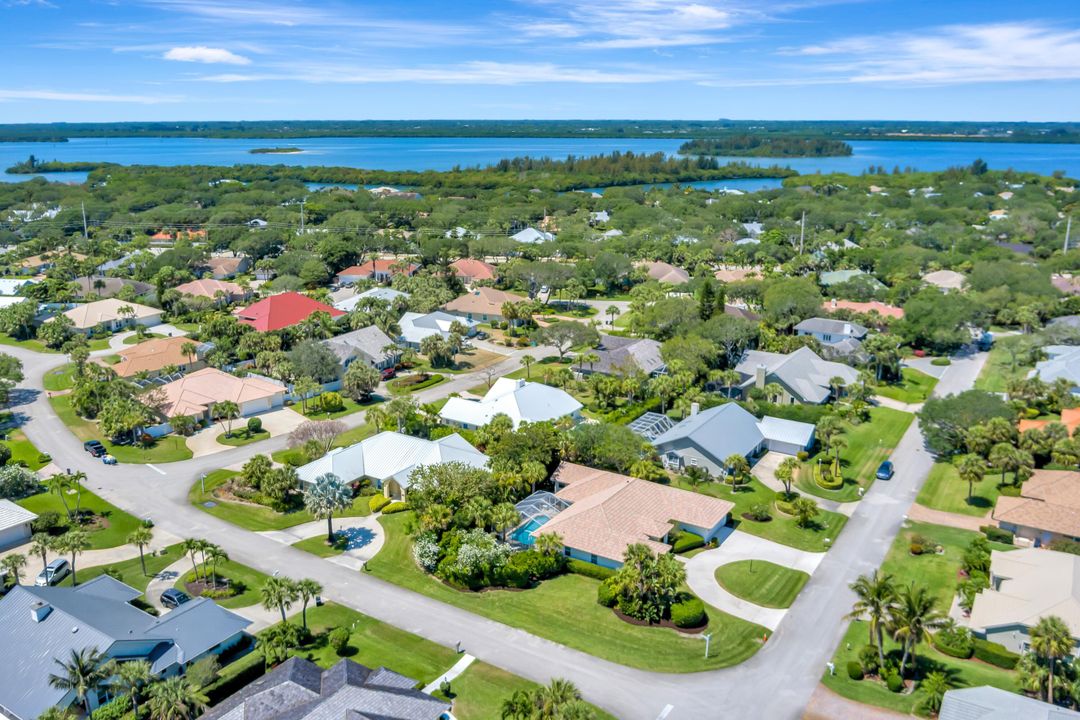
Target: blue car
{"points": [[885, 470]]}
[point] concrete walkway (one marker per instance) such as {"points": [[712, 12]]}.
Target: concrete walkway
{"points": [[921, 513], [896, 404], [365, 538], [459, 667], [94, 558], [701, 574], [116, 342]]}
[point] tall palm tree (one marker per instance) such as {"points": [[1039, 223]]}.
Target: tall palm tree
{"points": [[327, 495], [41, 544], [971, 469], [518, 706], [527, 361], [305, 387], [212, 557], [785, 473], [554, 696], [58, 485], [84, 674], [74, 542], [191, 548], [476, 511], [189, 350], [129, 678], [503, 517], [280, 593], [1052, 640], [549, 543], [225, 411], [13, 565], [141, 537], [912, 617], [876, 597], [308, 589], [175, 699]]}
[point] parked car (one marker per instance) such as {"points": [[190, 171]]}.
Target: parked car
{"points": [[173, 598], [94, 447], [885, 470], [53, 573], [388, 373], [108, 459]]}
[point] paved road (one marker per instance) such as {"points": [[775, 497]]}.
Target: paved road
{"points": [[775, 683]]}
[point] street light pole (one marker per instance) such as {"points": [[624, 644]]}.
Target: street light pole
{"points": [[202, 483], [707, 638]]}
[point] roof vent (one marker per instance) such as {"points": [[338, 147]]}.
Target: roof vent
{"points": [[40, 610]]}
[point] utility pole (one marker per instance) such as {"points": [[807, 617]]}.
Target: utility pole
{"points": [[84, 232], [802, 232], [1068, 230], [301, 217]]}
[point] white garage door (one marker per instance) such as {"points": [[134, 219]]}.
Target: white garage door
{"points": [[14, 535]]}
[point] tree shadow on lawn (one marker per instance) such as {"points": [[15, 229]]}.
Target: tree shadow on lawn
{"points": [[353, 538]]}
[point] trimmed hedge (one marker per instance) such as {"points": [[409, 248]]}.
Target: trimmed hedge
{"points": [[580, 567], [115, 709], [954, 644], [995, 654], [688, 613], [996, 534], [686, 541], [629, 413], [605, 594], [854, 670], [235, 676], [412, 383], [941, 362], [378, 502], [395, 507], [829, 477], [894, 682]]}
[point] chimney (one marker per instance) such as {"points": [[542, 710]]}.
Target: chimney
{"points": [[759, 377], [40, 610], [695, 408]]}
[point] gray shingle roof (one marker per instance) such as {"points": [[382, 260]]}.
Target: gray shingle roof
{"points": [[720, 431], [367, 343], [829, 326], [1063, 363], [299, 690], [617, 353], [803, 372]]}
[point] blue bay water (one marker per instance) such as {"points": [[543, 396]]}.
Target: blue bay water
{"points": [[446, 153]]}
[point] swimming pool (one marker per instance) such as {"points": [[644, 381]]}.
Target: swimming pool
{"points": [[523, 534]]}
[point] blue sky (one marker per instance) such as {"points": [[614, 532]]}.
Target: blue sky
{"points": [[107, 60]]}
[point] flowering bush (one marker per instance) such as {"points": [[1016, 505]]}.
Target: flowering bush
{"points": [[426, 552]]}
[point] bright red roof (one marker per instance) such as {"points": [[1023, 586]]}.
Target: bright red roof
{"points": [[282, 311], [476, 269]]}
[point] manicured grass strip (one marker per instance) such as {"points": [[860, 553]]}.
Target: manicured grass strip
{"points": [[762, 583], [1000, 368], [397, 387], [544, 611], [256, 517], [349, 437], [241, 437], [170, 448], [22, 450], [479, 692], [317, 546], [118, 524], [868, 444], [914, 387], [963, 673], [58, 378], [34, 345], [131, 571], [247, 580], [780, 529], [135, 339], [349, 406], [944, 490]]}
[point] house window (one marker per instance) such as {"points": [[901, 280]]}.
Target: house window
{"points": [[826, 338], [592, 559], [693, 461]]}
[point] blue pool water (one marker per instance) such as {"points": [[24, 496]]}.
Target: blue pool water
{"points": [[523, 534]]}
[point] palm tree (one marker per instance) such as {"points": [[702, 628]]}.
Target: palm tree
{"points": [[518, 706], [533, 472], [83, 674], [212, 556], [503, 517], [785, 473], [876, 597], [41, 544], [308, 589], [476, 511], [55, 713], [225, 410], [75, 542], [1052, 640], [738, 469], [191, 547], [805, 510], [934, 686], [279, 592], [972, 469], [141, 537], [189, 350], [377, 417], [305, 387], [58, 485], [129, 678], [527, 361], [175, 699], [612, 311], [837, 384], [913, 616], [589, 357], [12, 565], [324, 497], [549, 543], [556, 695]]}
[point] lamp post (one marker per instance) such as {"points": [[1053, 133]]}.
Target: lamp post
{"points": [[202, 483], [707, 637]]}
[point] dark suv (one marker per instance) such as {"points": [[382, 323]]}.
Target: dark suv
{"points": [[94, 447], [173, 598]]}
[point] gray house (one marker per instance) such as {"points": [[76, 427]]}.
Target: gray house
{"points": [[829, 331], [620, 354], [1062, 363], [41, 624], [707, 438], [366, 344], [298, 689], [802, 375], [990, 703]]}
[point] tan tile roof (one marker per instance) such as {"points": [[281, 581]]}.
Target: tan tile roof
{"points": [[152, 355], [1050, 501], [665, 272], [208, 288], [612, 511], [194, 394], [473, 268], [483, 301], [89, 315], [883, 309], [1070, 418], [736, 274], [1033, 583]]}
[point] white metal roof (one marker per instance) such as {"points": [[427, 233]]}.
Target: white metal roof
{"points": [[519, 400], [12, 515]]}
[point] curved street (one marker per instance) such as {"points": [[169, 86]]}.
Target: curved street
{"points": [[776, 683]]}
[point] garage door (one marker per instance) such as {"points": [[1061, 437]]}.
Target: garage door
{"points": [[14, 535]]}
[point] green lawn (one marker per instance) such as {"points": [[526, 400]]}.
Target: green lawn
{"points": [[22, 450], [135, 339], [241, 437], [780, 529], [349, 406], [58, 378], [479, 692], [117, 523], [914, 387], [762, 583], [868, 444], [349, 437], [937, 572], [32, 344], [943, 490], [256, 517], [397, 388], [999, 369], [964, 673], [244, 579], [317, 546], [595, 629], [131, 570], [171, 448]]}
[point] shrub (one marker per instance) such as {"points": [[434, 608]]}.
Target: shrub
{"points": [[587, 569], [1067, 546], [339, 640], [48, 521], [605, 594], [995, 654], [894, 682], [536, 565], [294, 458], [854, 670], [1011, 490], [868, 659], [802, 456], [331, 402], [688, 613], [996, 534], [115, 709], [829, 476], [378, 502], [941, 362], [395, 507], [254, 426], [954, 641], [1032, 413], [917, 548], [17, 482], [426, 552], [686, 541]]}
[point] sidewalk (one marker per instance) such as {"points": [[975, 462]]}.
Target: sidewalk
{"points": [[365, 537]]}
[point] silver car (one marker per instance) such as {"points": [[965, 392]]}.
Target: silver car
{"points": [[53, 573]]}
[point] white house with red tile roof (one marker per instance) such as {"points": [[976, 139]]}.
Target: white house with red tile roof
{"points": [[379, 270], [282, 310], [470, 270]]}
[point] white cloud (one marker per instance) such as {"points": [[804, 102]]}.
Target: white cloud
{"points": [[203, 54], [6, 95]]}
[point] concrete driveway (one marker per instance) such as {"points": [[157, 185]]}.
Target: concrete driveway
{"points": [[116, 342], [276, 422], [765, 470], [365, 538]]}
